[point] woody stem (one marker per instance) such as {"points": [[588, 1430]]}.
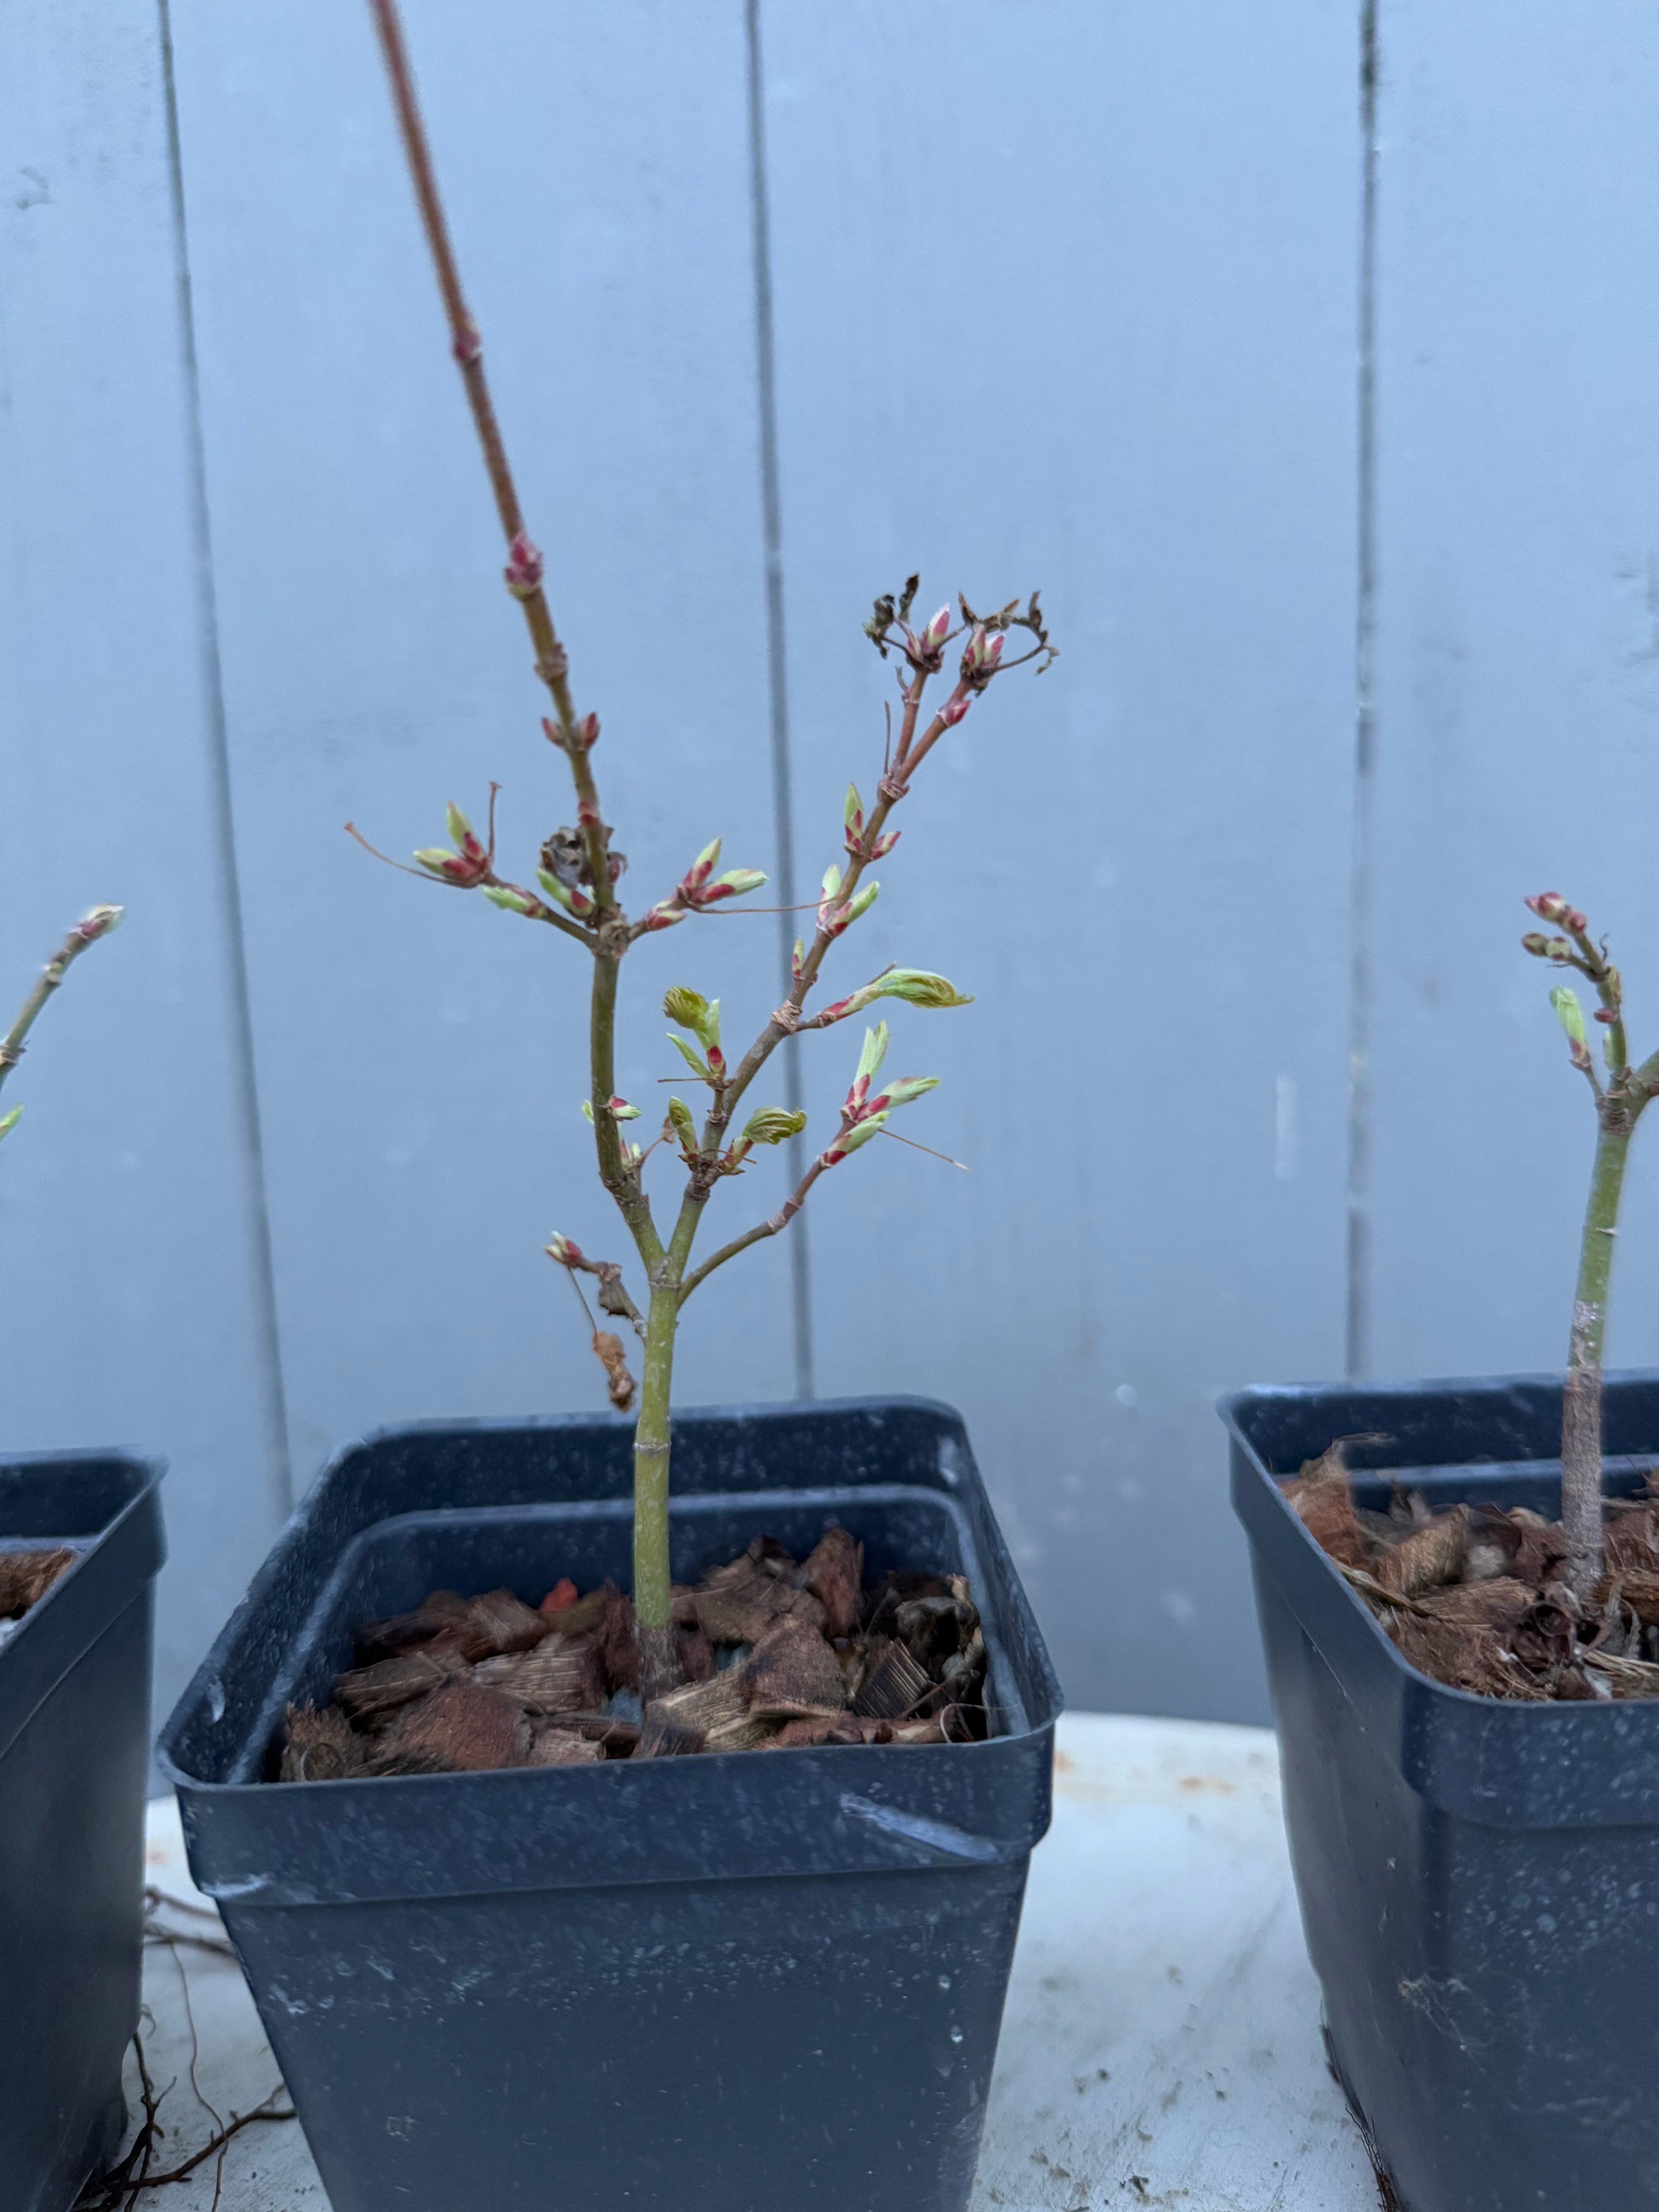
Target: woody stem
{"points": [[552, 663]]}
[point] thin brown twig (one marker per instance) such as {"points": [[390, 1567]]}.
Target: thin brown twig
{"points": [[216, 2145]]}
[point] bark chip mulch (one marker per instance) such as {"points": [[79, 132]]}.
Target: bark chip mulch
{"points": [[774, 1653], [25, 1578], [1474, 1595]]}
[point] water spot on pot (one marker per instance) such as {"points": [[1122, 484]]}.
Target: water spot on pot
{"points": [[945, 1981], [1126, 1395], [956, 2035], [216, 1700], [400, 2124]]}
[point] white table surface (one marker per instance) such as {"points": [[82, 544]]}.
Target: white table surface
{"points": [[1161, 2045]]}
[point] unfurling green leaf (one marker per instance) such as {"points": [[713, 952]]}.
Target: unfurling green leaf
{"points": [[771, 1125], [697, 1067], [859, 1135], [694, 1012], [919, 987], [907, 1087], [737, 881], [8, 1122], [875, 1050], [513, 901], [685, 1128], [1569, 1013]]}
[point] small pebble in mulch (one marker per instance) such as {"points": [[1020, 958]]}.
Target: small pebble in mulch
{"points": [[774, 1654], [1474, 1595]]}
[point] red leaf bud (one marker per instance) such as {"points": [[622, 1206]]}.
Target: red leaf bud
{"points": [[523, 573]]}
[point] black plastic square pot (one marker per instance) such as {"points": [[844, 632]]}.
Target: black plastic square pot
{"points": [[1479, 1880], [722, 1984], [74, 1757]]}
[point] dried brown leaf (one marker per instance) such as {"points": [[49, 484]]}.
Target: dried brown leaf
{"points": [[1429, 1559]]}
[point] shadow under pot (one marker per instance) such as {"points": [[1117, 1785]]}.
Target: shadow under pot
{"points": [[746, 1978], [1478, 1877]]}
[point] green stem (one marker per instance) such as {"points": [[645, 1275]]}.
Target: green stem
{"points": [[652, 1591], [1581, 1413]]}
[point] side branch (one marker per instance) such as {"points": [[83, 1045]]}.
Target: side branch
{"points": [[770, 1227], [99, 923]]}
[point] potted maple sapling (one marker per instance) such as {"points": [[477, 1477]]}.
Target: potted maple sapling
{"points": [[1459, 1591], [661, 1843], [80, 1546]]}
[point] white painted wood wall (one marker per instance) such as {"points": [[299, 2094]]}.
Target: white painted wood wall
{"points": [[1081, 293]]}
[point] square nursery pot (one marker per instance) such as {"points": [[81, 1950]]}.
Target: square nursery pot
{"points": [[1479, 1880], [720, 1984], [73, 1759]]}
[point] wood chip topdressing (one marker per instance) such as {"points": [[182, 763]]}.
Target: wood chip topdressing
{"points": [[25, 1578], [776, 1653], [1474, 1596]]}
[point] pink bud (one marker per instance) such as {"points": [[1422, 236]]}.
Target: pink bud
{"points": [[1574, 920], [664, 915], [1605, 1014], [588, 730], [952, 714], [884, 844], [1549, 906], [937, 630], [523, 573], [468, 347]]}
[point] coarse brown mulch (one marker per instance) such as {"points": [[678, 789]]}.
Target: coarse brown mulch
{"points": [[776, 1653], [1474, 1595], [26, 1577]]}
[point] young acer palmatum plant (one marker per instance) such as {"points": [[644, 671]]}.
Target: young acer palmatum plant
{"points": [[1620, 1097], [576, 895]]}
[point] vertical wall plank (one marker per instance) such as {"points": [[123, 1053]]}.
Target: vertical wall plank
{"points": [[1065, 296], [132, 1305], [421, 1056], [1518, 501]]}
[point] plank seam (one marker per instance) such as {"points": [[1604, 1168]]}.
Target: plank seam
{"points": [[268, 1353], [777, 666], [1361, 980]]}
